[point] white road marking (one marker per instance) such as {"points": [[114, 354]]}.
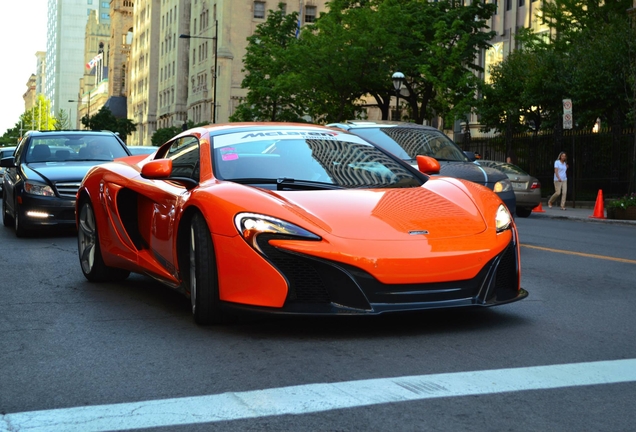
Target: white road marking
{"points": [[313, 398]]}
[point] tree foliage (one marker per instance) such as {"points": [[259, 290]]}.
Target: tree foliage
{"points": [[588, 56], [105, 120], [352, 50]]}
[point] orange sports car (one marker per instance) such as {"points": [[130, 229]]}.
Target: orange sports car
{"points": [[296, 218]]}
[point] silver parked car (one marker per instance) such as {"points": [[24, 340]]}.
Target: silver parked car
{"points": [[526, 187]]}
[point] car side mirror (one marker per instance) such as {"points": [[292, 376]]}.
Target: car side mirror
{"points": [[427, 164], [8, 162], [161, 169], [157, 169], [470, 155]]}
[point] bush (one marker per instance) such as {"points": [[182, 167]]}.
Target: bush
{"points": [[624, 202]]}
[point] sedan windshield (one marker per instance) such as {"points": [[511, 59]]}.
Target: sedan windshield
{"points": [[408, 142], [301, 159], [73, 147]]}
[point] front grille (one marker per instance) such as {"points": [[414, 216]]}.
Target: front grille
{"points": [[67, 190]]}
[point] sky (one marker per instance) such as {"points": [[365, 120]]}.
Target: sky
{"points": [[22, 34]]}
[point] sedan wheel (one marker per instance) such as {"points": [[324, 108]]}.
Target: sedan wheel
{"points": [[202, 276], [90, 255], [17, 223], [523, 212]]}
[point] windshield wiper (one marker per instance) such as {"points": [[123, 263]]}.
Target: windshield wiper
{"points": [[288, 183]]}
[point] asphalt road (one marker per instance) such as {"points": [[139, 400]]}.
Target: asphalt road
{"points": [[120, 349]]}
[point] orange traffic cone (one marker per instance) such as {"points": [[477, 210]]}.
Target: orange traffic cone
{"points": [[599, 207], [538, 209]]}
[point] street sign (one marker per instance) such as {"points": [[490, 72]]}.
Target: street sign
{"points": [[567, 114]]}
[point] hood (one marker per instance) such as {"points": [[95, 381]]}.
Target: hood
{"points": [[484, 176], [389, 214], [63, 171], [471, 172]]}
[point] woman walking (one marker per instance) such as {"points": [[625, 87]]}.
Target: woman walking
{"points": [[560, 180]]}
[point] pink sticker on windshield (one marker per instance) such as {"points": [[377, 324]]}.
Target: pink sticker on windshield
{"points": [[228, 153]]}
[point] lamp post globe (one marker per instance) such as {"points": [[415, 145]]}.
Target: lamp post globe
{"points": [[398, 79]]}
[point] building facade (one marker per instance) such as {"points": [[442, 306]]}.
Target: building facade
{"points": [[144, 71], [65, 57], [187, 58], [121, 37]]}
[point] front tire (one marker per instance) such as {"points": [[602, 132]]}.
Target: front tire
{"points": [[20, 231], [90, 254], [203, 278]]}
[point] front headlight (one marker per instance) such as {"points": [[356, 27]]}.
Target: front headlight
{"points": [[251, 225], [503, 219], [502, 186], [35, 188]]}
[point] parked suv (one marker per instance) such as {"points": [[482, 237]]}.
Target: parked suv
{"points": [[44, 174], [407, 140]]}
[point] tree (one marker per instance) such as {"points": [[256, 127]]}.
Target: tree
{"points": [[105, 120], [62, 120], [270, 83], [38, 117]]}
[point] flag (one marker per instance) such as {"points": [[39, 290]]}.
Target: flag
{"points": [[91, 64], [298, 28]]}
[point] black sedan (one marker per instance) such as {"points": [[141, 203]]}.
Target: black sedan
{"points": [[43, 175], [407, 140]]}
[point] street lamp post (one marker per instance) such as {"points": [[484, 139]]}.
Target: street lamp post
{"points": [[88, 111], [398, 79], [216, 47]]}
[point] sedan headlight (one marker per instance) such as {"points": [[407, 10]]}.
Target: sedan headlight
{"points": [[35, 188], [502, 186], [503, 219], [251, 225]]}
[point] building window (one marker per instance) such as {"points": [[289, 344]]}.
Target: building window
{"points": [[522, 3], [89, 2], [508, 5], [310, 14], [105, 4], [496, 3], [259, 9], [283, 7]]}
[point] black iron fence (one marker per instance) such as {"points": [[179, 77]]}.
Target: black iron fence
{"points": [[602, 160]]}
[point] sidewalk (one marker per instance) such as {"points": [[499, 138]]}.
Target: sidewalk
{"points": [[583, 212]]}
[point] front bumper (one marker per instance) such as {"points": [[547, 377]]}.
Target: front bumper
{"points": [[38, 211], [322, 287]]}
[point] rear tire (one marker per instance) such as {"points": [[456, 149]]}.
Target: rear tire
{"points": [[203, 278], [523, 212], [90, 254]]}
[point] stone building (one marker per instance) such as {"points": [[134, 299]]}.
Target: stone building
{"points": [[187, 58], [143, 74]]}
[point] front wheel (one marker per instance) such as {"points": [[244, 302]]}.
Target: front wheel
{"points": [[90, 254], [202, 276], [20, 231]]}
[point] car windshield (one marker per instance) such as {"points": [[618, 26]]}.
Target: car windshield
{"points": [[408, 142], [308, 158], [73, 147]]}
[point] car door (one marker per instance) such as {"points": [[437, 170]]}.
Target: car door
{"points": [[12, 179], [169, 197]]}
